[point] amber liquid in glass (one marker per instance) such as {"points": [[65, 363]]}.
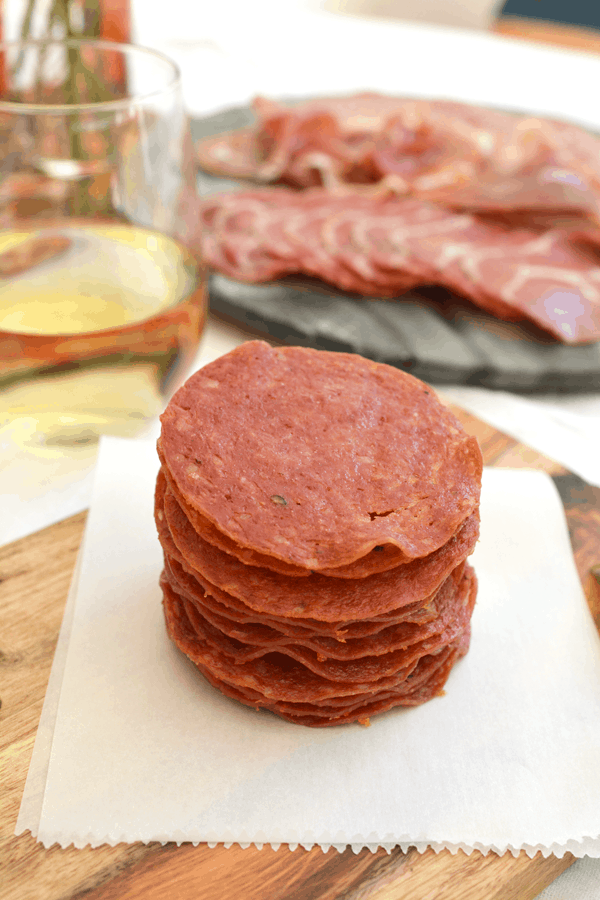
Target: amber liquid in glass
{"points": [[98, 326]]}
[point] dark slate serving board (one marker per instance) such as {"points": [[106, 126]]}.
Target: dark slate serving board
{"points": [[431, 333]]}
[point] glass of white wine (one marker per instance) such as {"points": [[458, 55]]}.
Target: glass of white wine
{"points": [[102, 299]]}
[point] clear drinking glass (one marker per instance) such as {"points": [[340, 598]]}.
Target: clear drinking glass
{"points": [[102, 300]]}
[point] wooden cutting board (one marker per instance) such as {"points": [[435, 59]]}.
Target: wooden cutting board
{"points": [[34, 579]]}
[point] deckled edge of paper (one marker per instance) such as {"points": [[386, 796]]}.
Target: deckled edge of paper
{"points": [[587, 846], [33, 796]]}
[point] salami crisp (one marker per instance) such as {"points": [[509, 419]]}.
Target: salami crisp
{"points": [[316, 512]]}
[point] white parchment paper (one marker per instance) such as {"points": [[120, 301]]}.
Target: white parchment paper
{"points": [[508, 759]]}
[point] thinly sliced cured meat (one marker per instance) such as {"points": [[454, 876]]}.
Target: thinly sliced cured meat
{"points": [[450, 603], [277, 676], [207, 596], [286, 687], [453, 153], [317, 458], [359, 452], [380, 559], [210, 533], [319, 597], [382, 247], [395, 653]]}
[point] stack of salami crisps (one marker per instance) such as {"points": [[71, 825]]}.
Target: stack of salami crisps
{"points": [[316, 511]]}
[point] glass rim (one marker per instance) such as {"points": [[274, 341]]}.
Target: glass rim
{"points": [[172, 84]]}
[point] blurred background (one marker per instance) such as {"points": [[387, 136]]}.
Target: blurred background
{"points": [[232, 50], [227, 35]]}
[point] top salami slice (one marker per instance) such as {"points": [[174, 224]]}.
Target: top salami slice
{"points": [[316, 458]]}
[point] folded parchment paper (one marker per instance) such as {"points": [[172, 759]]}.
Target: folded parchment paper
{"points": [[143, 749]]}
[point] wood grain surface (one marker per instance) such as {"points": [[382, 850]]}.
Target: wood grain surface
{"points": [[34, 579]]}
